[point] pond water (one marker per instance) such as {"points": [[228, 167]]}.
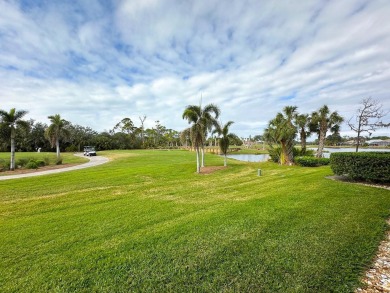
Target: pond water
{"points": [[328, 151], [250, 157]]}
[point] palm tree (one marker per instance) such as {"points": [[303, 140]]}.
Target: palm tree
{"points": [[321, 122], [202, 121], [56, 131], [13, 119], [282, 131], [223, 130], [302, 122]]}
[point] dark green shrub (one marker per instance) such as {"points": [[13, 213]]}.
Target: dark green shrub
{"points": [[366, 166], [32, 165], [311, 161], [47, 161], [71, 149], [22, 162], [59, 161], [4, 165], [274, 154], [306, 153], [40, 163]]}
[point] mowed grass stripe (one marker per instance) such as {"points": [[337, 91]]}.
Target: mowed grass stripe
{"points": [[146, 222]]}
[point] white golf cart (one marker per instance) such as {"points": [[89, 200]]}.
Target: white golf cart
{"points": [[89, 151]]}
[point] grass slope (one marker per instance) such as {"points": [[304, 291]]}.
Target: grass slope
{"points": [[146, 222]]}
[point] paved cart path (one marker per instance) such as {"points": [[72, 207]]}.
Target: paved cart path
{"points": [[93, 161]]}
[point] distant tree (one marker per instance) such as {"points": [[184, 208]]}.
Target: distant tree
{"points": [[11, 120], [224, 138], [335, 138], [258, 138], [57, 130], [281, 131], [80, 135], [368, 118], [126, 125], [23, 137], [235, 140], [38, 136], [322, 121], [142, 119], [185, 136], [302, 122]]}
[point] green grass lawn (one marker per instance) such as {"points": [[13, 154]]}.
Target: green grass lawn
{"points": [[146, 222]]}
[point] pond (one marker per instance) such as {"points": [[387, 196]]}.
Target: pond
{"points": [[250, 157], [328, 151]]}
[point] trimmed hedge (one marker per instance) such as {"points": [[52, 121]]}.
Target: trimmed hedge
{"points": [[311, 161], [364, 166]]}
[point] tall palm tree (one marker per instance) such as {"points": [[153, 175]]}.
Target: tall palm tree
{"points": [[13, 119], [56, 131], [223, 131], [302, 122], [202, 120], [322, 121], [281, 130]]}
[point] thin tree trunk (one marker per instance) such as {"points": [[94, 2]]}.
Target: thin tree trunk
{"points": [[197, 160], [358, 138], [358, 142], [12, 163], [321, 142], [225, 161], [202, 156], [303, 142], [283, 154], [58, 147]]}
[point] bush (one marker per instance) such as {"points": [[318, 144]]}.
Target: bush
{"points": [[47, 161], [274, 154], [59, 161], [4, 165], [311, 161], [41, 163], [22, 162], [32, 165], [365, 166], [71, 149], [306, 153]]}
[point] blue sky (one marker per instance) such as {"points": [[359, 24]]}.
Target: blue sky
{"points": [[96, 62]]}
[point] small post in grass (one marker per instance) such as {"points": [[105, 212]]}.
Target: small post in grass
{"points": [[258, 172]]}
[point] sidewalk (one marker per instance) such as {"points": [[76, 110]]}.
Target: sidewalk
{"points": [[93, 161]]}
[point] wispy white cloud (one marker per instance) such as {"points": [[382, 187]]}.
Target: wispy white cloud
{"points": [[95, 62]]}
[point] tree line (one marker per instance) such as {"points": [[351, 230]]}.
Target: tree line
{"points": [[18, 134], [289, 124]]}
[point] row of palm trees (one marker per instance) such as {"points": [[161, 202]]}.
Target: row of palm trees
{"points": [[13, 119], [203, 121], [283, 129]]}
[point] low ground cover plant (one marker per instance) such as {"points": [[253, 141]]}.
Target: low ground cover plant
{"points": [[146, 222], [364, 166], [34, 160], [311, 161]]}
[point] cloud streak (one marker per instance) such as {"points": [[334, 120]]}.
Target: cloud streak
{"points": [[96, 62]]}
